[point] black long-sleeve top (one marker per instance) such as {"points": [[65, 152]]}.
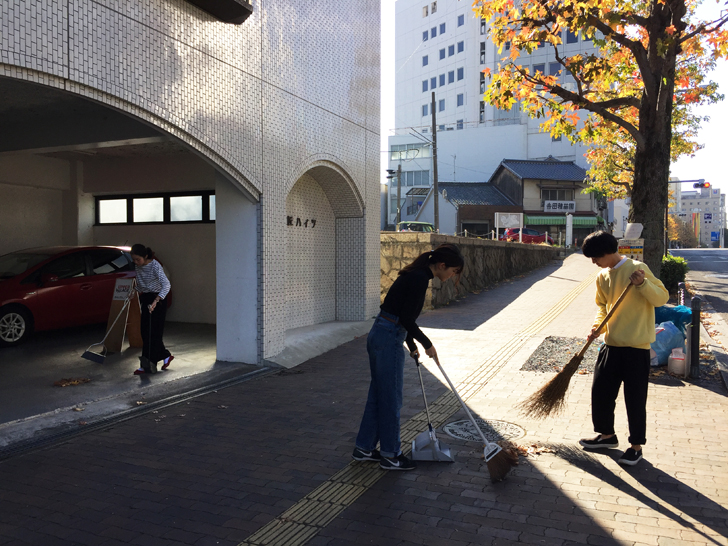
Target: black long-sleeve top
{"points": [[405, 300]]}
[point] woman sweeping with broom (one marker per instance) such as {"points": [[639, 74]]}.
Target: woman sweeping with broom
{"points": [[625, 355], [396, 324]]}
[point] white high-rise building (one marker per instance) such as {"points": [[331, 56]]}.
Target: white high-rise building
{"points": [[441, 46]]}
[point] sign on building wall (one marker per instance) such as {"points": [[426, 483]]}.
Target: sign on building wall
{"points": [[565, 206], [715, 235], [632, 248], [708, 216]]}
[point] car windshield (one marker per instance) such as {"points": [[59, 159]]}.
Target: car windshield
{"points": [[18, 262]]}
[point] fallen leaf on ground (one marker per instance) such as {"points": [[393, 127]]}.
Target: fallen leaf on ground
{"points": [[71, 381]]}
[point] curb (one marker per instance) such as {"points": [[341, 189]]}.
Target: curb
{"points": [[717, 338]]}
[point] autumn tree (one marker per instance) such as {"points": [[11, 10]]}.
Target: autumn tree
{"points": [[623, 100], [681, 231]]}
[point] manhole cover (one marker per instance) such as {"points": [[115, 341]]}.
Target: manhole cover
{"points": [[493, 430]]}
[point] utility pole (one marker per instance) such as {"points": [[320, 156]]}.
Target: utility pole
{"points": [[399, 189], [436, 193]]}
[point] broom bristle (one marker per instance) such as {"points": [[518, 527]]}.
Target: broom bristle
{"points": [[549, 399], [501, 463]]}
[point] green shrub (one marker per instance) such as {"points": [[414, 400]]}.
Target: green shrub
{"points": [[673, 271]]}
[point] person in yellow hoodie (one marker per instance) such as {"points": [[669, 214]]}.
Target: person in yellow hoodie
{"points": [[625, 355]]}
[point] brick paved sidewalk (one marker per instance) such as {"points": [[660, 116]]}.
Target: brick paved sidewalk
{"points": [[218, 468]]}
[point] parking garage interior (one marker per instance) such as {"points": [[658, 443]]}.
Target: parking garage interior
{"points": [[66, 164]]}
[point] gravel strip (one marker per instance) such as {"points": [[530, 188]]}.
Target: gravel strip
{"points": [[555, 352]]}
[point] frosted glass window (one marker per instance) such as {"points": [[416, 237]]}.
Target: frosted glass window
{"points": [[112, 211], [212, 207], [185, 209], [149, 209]]}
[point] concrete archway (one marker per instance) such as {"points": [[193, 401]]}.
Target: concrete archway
{"points": [[325, 275]]}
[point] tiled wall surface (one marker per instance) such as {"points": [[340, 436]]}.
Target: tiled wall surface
{"points": [[293, 90]]}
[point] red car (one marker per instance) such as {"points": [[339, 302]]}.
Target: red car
{"points": [[529, 236], [56, 287]]}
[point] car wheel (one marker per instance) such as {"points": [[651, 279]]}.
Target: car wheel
{"points": [[16, 325]]}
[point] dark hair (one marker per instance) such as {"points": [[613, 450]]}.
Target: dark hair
{"points": [[143, 251], [446, 253], [598, 244]]}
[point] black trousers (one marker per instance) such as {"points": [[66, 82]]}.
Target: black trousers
{"points": [[153, 346], [617, 365]]}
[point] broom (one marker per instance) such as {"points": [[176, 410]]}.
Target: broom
{"points": [[549, 399], [498, 460]]}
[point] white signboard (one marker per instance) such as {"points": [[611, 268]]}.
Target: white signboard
{"points": [[122, 289], [563, 206], [508, 220], [632, 248]]}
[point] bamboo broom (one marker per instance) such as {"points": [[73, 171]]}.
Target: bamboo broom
{"points": [[549, 399]]}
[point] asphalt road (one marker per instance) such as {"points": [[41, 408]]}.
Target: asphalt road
{"points": [[709, 275]]}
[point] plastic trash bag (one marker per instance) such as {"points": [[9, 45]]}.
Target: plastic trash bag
{"points": [[668, 337], [679, 315]]}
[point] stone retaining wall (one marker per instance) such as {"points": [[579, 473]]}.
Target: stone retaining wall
{"points": [[486, 262]]}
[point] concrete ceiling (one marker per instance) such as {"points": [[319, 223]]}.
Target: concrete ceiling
{"points": [[43, 120]]}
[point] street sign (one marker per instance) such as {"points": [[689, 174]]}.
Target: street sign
{"points": [[632, 248], [715, 235]]}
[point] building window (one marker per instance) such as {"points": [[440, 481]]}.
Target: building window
{"points": [[461, 20], [433, 83], [410, 151], [554, 69], [459, 124], [424, 85], [482, 112], [442, 53], [482, 82], [434, 7], [461, 47], [588, 38], [571, 37], [442, 28], [442, 80], [415, 178], [557, 195], [451, 76], [441, 105], [539, 68], [461, 74], [425, 35], [424, 60], [482, 27], [425, 11], [450, 50], [461, 99], [441, 127], [165, 208], [433, 32], [556, 139], [424, 110], [508, 45], [482, 52]]}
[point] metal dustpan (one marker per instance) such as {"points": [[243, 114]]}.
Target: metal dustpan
{"points": [[426, 446]]}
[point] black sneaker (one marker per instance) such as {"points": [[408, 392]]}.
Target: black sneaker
{"points": [[400, 462], [630, 457], [599, 443], [361, 455]]}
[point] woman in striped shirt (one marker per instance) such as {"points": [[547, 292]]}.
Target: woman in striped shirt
{"points": [[153, 287]]}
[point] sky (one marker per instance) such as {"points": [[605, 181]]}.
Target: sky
{"points": [[707, 163]]}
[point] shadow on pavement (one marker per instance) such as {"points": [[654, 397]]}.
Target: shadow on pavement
{"points": [[670, 491], [469, 312]]}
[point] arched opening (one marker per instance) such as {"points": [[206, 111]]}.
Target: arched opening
{"points": [[324, 248]]}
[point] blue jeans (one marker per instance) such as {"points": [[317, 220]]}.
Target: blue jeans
{"points": [[380, 422]]}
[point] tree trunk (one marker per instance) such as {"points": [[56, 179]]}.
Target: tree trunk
{"points": [[650, 187]]}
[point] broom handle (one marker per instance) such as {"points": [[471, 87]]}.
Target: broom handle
{"points": [[427, 410], [604, 322], [452, 387]]}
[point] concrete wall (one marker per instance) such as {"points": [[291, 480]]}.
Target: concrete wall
{"points": [[486, 262]]}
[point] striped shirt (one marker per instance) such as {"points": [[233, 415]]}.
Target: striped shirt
{"points": [[151, 278]]}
